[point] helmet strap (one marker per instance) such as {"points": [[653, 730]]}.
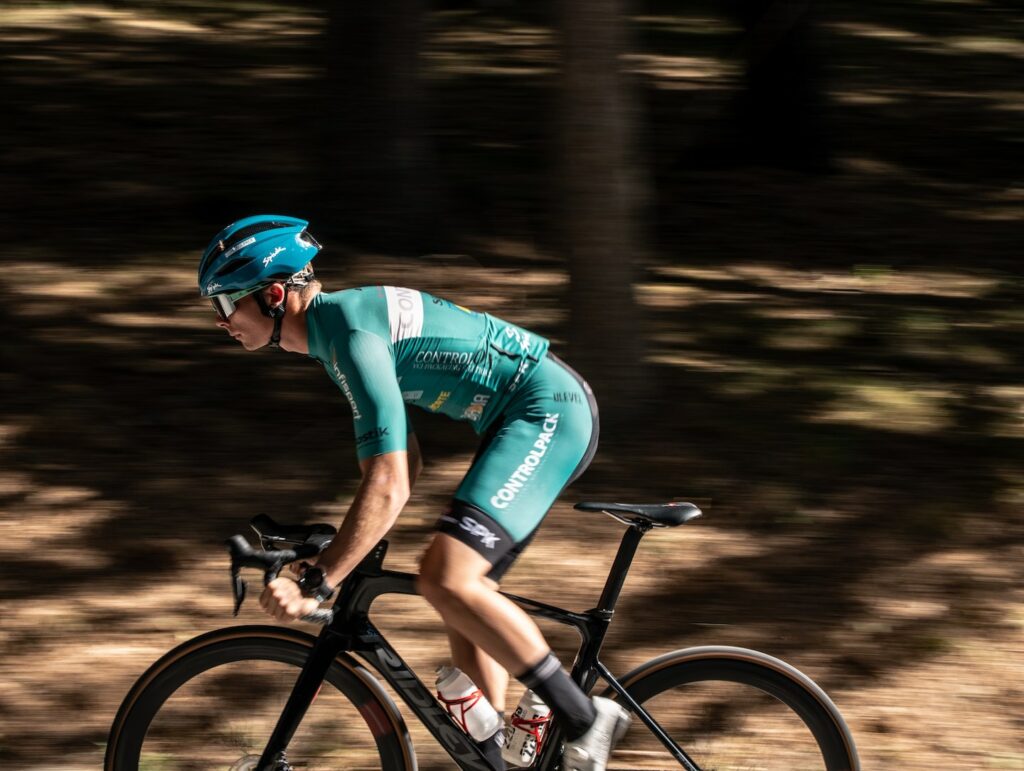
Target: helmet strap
{"points": [[277, 314]]}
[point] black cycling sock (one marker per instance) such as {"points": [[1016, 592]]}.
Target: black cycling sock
{"points": [[492, 750], [571, 706]]}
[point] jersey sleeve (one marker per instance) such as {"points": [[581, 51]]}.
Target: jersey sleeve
{"points": [[365, 372]]}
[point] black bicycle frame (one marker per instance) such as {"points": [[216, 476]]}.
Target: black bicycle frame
{"points": [[352, 631]]}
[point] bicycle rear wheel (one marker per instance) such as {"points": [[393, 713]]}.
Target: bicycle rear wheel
{"points": [[213, 702], [732, 709]]}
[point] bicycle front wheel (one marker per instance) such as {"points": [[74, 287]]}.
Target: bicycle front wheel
{"points": [[213, 702], [732, 709]]}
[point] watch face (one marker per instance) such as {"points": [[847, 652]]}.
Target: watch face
{"points": [[314, 584]]}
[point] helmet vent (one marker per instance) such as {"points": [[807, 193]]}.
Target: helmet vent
{"points": [[251, 230], [230, 267]]}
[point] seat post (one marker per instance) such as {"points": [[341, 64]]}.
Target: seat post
{"points": [[620, 567]]}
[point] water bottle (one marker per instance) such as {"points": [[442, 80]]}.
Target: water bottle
{"points": [[467, 704], [524, 735]]}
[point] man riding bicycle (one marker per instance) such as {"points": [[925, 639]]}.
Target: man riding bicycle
{"points": [[390, 348]]}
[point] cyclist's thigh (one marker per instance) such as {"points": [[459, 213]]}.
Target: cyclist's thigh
{"points": [[545, 439]]}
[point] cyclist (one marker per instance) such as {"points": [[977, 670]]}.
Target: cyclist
{"points": [[390, 348]]}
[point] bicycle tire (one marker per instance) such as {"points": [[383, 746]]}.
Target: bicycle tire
{"points": [[713, 700], [226, 657]]}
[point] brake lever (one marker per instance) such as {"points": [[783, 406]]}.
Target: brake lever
{"points": [[273, 571], [238, 585]]}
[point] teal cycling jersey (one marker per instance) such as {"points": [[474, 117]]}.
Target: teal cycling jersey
{"points": [[387, 347]]}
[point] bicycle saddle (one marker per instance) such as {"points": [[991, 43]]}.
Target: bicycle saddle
{"points": [[657, 514]]}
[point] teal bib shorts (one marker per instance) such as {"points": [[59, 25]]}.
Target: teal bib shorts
{"points": [[545, 439]]}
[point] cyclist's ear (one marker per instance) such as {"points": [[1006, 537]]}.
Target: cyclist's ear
{"points": [[274, 295]]}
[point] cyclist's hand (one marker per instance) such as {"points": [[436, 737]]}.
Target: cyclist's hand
{"points": [[283, 600]]}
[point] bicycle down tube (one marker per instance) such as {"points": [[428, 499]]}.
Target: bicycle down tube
{"points": [[352, 631], [358, 635]]}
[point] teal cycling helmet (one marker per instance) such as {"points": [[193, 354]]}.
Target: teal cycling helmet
{"points": [[253, 253]]}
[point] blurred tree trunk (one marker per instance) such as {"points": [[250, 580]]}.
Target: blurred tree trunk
{"points": [[777, 118], [380, 174], [600, 198], [780, 108]]}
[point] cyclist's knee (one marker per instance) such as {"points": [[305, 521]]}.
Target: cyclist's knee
{"points": [[437, 588], [427, 582], [450, 570]]}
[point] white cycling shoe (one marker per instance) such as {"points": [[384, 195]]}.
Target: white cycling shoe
{"points": [[590, 752]]}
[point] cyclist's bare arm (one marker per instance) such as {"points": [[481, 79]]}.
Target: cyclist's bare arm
{"points": [[379, 500], [415, 468], [382, 493]]}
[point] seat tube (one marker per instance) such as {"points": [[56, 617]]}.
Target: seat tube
{"points": [[620, 567]]}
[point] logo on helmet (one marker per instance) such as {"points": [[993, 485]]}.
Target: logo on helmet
{"points": [[211, 287], [240, 245], [270, 257]]}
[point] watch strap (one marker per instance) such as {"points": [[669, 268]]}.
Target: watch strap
{"points": [[313, 584]]}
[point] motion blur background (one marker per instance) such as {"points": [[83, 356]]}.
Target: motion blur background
{"points": [[781, 238]]}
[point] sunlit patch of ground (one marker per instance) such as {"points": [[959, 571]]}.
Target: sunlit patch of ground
{"points": [[966, 703]]}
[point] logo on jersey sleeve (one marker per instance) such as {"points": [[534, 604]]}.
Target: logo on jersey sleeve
{"points": [[405, 312], [342, 381], [373, 435]]}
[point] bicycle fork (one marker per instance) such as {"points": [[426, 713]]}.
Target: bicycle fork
{"points": [[308, 684]]}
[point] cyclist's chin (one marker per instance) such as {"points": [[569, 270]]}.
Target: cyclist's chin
{"points": [[246, 342]]}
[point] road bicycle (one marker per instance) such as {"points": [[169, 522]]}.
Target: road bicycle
{"points": [[268, 698]]}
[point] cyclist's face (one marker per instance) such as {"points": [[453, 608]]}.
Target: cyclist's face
{"points": [[248, 325]]}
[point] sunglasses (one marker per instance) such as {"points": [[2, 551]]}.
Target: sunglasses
{"points": [[226, 304]]}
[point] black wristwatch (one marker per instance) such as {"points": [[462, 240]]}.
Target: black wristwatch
{"points": [[313, 584]]}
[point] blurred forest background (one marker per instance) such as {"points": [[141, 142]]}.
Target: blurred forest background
{"points": [[781, 237]]}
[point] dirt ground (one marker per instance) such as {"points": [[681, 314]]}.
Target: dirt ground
{"points": [[835, 358]]}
